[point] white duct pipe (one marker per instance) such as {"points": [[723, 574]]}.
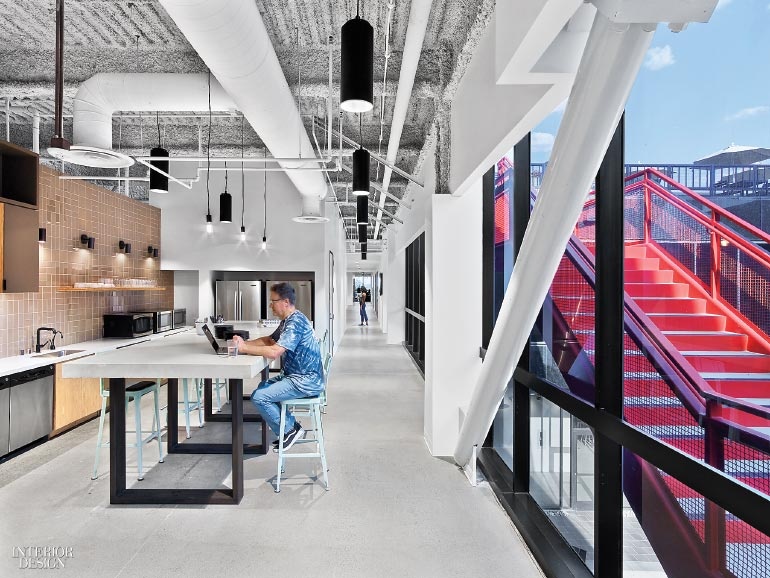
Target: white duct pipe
{"points": [[36, 133], [603, 82], [231, 38], [419, 13], [103, 94]]}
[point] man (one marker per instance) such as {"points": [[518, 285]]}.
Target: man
{"points": [[302, 368], [362, 307]]}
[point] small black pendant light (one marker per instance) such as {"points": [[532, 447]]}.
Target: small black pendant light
{"points": [[361, 172], [363, 252], [357, 65], [159, 182], [225, 204], [362, 233], [362, 210]]}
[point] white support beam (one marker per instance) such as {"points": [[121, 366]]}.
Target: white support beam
{"points": [[611, 61]]}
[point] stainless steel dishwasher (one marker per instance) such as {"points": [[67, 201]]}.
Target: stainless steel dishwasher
{"points": [[5, 414], [31, 406]]}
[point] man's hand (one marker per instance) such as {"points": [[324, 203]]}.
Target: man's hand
{"points": [[239, 342]]}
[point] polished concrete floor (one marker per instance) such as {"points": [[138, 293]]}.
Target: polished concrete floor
{"points": [[392, 511]]}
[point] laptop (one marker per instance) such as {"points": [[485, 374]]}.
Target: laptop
{"points": [[219, 349]]}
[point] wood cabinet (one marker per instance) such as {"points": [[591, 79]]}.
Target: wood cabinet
{"points": [[74, 401], [20, 249]]}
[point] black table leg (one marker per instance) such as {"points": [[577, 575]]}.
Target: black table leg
{"points": [[236, 396], [117, 439], [173, 415]]}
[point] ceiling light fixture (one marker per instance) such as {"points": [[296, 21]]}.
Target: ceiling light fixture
{"points": [[243, 188], [209, 224], [225, 203], [360, 167], [362, 233], [363, 252], [264, 228], [362, 210], [158, 182], [357, 65], [60, 146]]}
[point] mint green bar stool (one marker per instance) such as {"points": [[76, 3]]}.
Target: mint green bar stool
{"points": [[313, 407], [188, 405], [134, 393]]}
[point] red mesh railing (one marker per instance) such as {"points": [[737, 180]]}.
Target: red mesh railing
{"points": [[651, 404], [744, 283]]}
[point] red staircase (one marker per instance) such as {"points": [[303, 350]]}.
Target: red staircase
{"points": [[697, 357]]}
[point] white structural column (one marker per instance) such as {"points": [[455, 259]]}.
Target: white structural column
{"points": [[453, 270], [395, 298], [604, 79]]}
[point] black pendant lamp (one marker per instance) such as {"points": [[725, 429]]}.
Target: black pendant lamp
{"points": [[362, 233], [159, 182], [226, 204], [363, 252], [361, 172], [357, 65], [362, 210]]}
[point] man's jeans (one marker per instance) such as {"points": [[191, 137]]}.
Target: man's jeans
{"points": [[267, 396]]}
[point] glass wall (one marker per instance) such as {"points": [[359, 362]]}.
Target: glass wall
{"points": [[501, 202], [414, 334]]}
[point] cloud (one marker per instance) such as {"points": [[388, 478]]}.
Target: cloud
{"points": [[659, 57], [723, 3], [542, 142], [748, 112]]}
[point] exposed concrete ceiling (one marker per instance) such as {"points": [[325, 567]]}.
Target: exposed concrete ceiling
{"points": [[138, 36]]}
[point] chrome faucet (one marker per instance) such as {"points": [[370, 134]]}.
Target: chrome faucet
{"points": [[50, 342]]}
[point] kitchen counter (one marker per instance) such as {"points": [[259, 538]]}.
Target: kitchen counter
{"points": [[9, 365], [188, 355]]}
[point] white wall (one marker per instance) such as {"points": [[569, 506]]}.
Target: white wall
{"points": [[186, 293], [290, 246]]}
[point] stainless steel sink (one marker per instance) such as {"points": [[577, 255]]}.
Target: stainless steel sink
{"points": [[60, 352]]}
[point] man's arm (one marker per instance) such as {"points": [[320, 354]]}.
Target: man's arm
{"points": [[264, 346]]}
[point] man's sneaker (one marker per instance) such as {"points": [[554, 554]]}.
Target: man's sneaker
{"points": [[288, 440]]}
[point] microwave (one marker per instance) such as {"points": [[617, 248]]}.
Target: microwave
{"points": [[164, 321], [161, 320], [180, 318], [128, 325]]}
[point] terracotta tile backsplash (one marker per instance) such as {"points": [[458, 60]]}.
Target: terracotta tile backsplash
{"points": [[68, 209]]}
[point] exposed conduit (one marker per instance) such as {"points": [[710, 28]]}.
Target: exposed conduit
{"points": [[612, 58], [419, 13]]}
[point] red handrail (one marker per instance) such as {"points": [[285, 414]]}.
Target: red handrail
{"points": [[716, 209]]}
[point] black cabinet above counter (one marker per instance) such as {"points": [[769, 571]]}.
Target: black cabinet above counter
{"points": [[18, 175]]}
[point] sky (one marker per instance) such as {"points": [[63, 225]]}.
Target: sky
{"points": [[698, 91]]}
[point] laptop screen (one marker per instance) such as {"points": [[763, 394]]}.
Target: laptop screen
{"points": [[211, 339]]}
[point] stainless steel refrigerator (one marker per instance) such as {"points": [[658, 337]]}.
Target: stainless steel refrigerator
{"points": [[239, 300], [303, 292]]}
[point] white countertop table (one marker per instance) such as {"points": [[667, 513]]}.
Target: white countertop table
{"points": [[186, 355]]}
